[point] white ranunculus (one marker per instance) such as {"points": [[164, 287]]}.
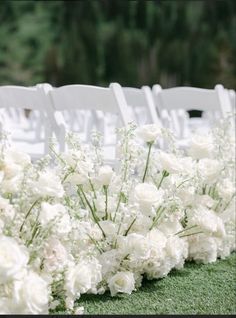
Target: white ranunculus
{"points": [[48, 184], [49, 212], [105, 174], [201, 147], [31, 295], [13, 259], [147, 194], [149, 133], [209, 169], [121, 282], [55, 255], [170, 162]]}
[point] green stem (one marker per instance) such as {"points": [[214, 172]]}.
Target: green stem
{"points": [[28, 213], [184, 230], [147, 161], [96, 220], [81, 198], [92, 187], [129, 228], [156, 219], [106, 201], [190, 234], [164, 175]]}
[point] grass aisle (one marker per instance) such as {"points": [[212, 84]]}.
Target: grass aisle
{"points": [[196, 289]]}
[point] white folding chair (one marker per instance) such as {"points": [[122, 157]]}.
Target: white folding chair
{"points": [[178, 100], [232, 97], [141, 104], [31, 138], [109, 100]]}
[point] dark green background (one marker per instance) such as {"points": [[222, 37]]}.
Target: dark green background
{"points": [[131, 42]]}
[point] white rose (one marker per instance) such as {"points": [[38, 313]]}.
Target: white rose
{"points": [[11, 169], [79, 310], [12, 185], [177, 251], [157, 240], [48, 184], [147, 195], [17, 157], [5, 306], [105, 174], [201, 147], [170, 162], [6, 209], [226, 189], [186, 195], [121, 282], [204, 200], [202, 248], [149, 133], [209, 169], [110, 228], [31, 295], [55, 255], [1, 226], [207, 220], [63, 226], [76, 178], [13, 259], [83, 277], [1, 175], [136, 245], [49, 212]]}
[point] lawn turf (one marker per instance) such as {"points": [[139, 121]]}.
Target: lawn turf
{"points": [[195, 289]]}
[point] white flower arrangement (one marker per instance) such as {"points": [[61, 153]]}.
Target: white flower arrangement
{"points": [[71, 225]]}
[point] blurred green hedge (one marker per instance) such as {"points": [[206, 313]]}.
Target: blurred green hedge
{"points": [[131, 42]]}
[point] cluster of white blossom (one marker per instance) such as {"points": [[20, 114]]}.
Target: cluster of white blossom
{"points": [[71, 225]]}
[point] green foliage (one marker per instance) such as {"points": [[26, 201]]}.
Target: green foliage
{"points": [[131, 42]]}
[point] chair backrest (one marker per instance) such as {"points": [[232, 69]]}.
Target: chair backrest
{"points": [[232, 97], [107, 99], [21, 98], [189, 98], [178, 100], [142, 98], [98, 101]]}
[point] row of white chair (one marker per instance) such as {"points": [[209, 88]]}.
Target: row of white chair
{"points": [[82, 107]]}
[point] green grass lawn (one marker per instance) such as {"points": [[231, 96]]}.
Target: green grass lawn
{"points": [[196, 289]]}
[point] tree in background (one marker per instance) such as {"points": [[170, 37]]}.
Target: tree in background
{"points": [[130, 42]]}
